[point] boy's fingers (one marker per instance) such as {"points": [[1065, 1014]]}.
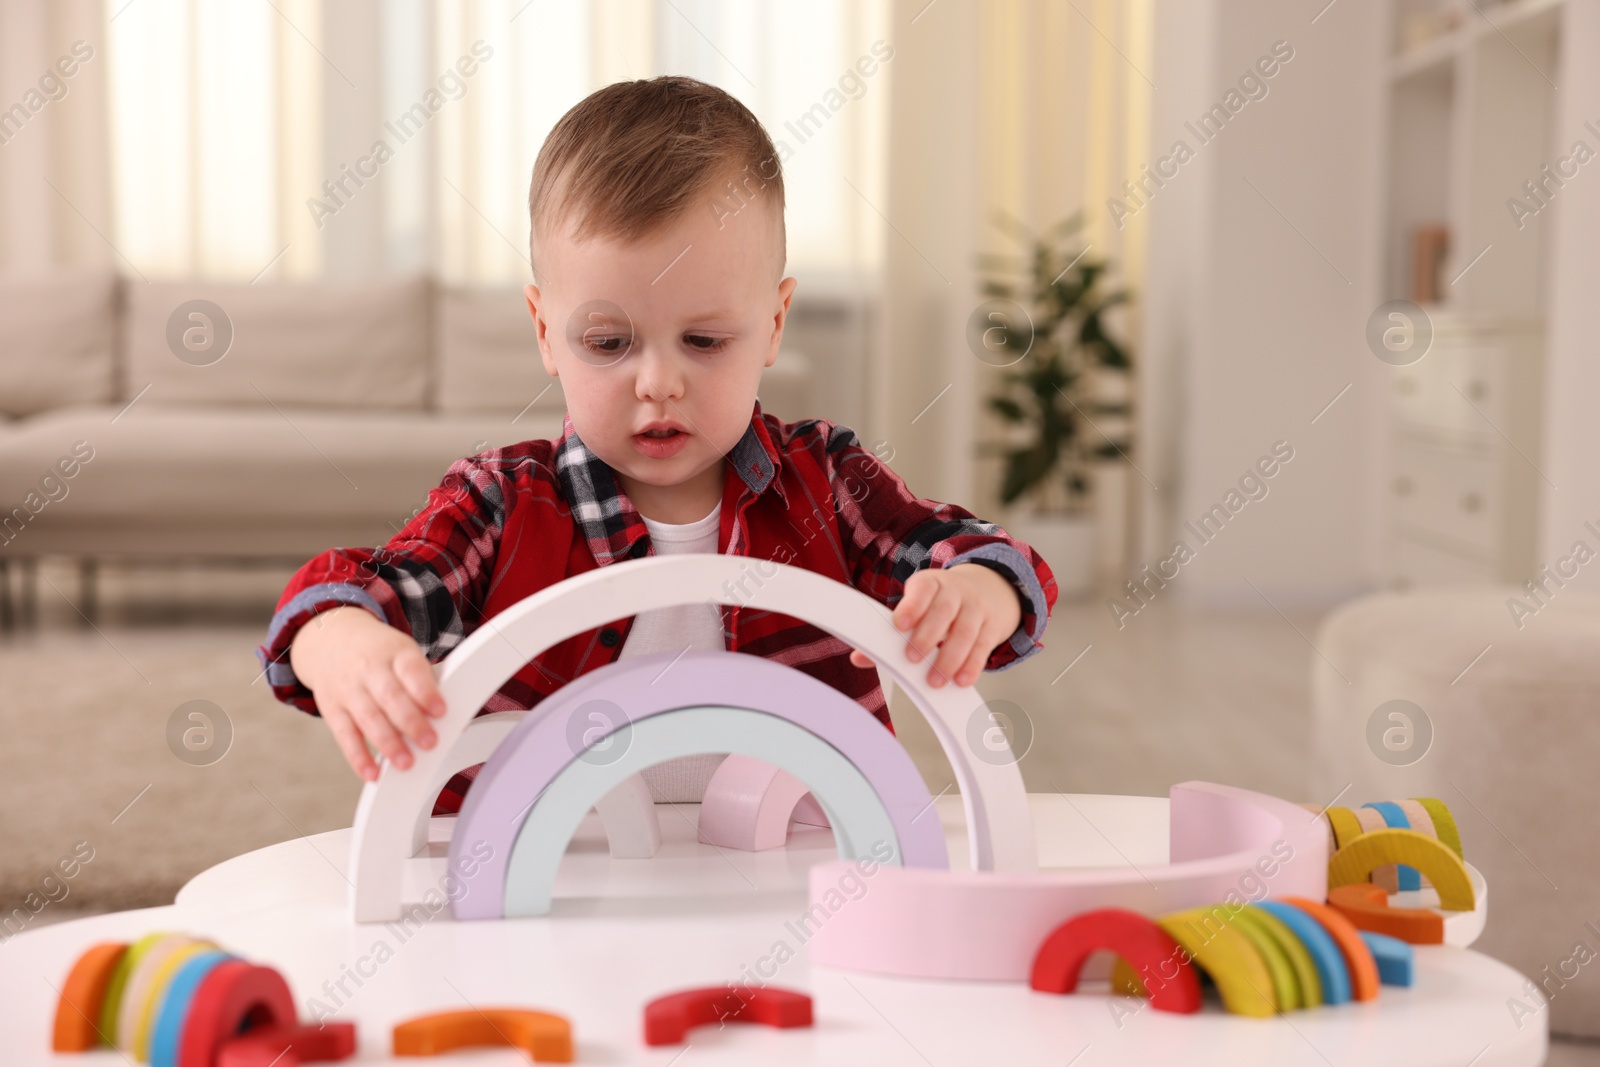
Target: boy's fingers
{"points": [[402, 711], [377, 728], [416, 674], [860, 658], [349, 741], [935, 623], [920, 590], [968, 672], [958, 644]]}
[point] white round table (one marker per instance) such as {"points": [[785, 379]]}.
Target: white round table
{"points": [[623, 932]]}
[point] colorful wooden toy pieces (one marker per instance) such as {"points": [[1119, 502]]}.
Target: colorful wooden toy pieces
{"points": [[1367, 908], [668, 1019], [535, 788], [1428, 816], [1358, 961], [1395, 817], [1264, 959], [1395, 958], [178, 1001], [1356, 861], [1333, 976], [1135, 939], [545, 1037]]}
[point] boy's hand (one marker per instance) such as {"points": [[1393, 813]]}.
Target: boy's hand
{"points": [[372, 683], [964, 611]]}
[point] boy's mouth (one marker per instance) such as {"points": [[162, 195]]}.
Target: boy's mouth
{"points": [[660, 439], [660, 429]]}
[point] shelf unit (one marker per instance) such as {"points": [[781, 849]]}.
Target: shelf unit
{"points": [[1471, 117]]}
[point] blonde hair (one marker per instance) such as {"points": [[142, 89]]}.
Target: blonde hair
{"points": [[636, 155]]}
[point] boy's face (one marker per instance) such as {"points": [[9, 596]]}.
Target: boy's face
{"points": [[673, 329]]}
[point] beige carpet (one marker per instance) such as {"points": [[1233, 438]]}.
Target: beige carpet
{"points": [[86, 759]]}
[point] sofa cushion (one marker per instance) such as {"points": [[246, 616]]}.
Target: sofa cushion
{"points": [[310, 345], [57, 340], [177, 464], [488, 353]]}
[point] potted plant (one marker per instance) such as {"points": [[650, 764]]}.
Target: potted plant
{"points": [[1064, 392]]}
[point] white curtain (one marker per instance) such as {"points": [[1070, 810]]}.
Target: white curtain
{"points": [[55, 189], [1032, 106], [344, 138]]}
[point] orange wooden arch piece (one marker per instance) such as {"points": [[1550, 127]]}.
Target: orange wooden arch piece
{"points": [[1367, 907], [1147, 949], [544, 1036], [1357, 956], [668, 1019], [77, 1026]]}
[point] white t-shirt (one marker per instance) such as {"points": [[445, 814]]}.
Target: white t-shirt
{"points": [[695, 626]]}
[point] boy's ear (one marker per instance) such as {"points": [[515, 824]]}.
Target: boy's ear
{"points": [[785, 294], [535, 302]]}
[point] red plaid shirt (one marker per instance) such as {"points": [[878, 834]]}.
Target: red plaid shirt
{"points": [[506, 523]]}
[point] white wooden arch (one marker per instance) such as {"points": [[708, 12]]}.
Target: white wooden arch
{"points": [[1000, 828]]}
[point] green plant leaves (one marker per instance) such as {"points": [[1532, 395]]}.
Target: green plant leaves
{"points": [[1061, 288]]}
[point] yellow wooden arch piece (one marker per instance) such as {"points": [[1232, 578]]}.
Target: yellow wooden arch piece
{"points": [[1444, 824], [111, 1007], [1305, 969], [1232, 961], [1346, 827], [1125, 981], [1357, 860], [1285, 982]]}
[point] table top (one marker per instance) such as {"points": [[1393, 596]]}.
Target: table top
{"points": [[623, 932]]}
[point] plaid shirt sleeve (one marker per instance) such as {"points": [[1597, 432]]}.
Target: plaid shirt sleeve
{"points": [[430, 580], [889, 534]]}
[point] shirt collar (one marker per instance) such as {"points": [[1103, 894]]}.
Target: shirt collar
{"points": [[611, 524]]}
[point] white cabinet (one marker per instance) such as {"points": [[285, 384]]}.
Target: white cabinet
{"points": [[1464, 481], [1473, 101]]}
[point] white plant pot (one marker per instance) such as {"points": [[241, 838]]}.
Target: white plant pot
{"points": [[1067, 544]]}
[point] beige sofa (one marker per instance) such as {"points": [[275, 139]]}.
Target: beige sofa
{"points": [[296, 417]]}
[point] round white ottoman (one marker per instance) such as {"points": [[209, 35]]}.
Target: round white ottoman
{"points": [[1515, 753]]}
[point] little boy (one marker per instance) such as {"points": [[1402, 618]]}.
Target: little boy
{"points": [[658, 252]]}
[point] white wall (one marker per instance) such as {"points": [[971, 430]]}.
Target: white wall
{"points": [[1572, 432], [1252, 327]]}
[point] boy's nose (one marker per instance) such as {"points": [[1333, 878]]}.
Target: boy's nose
{"points": [[659, 375]]}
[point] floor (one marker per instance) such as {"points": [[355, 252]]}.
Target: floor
{"points": [[94, 731]]}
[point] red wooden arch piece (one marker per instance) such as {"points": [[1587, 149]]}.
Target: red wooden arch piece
{"points": [[290, 1046], [1147, 948], [668, 1019], [544, 1036], [1367, 907], [234, 997]]}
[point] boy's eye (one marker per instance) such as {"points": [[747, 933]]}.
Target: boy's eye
{"points": [[702, 343], [607, 345]]}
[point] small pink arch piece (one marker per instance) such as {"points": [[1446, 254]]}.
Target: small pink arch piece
{"points": [[749, 804], [1143, 945]]}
